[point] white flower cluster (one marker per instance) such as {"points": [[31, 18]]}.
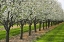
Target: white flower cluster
{"points": [[30, 9]]}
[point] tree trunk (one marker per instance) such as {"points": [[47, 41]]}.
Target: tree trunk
{"points": [[40, 26], [35, 26], [29, 29], [51, 23], [7, 36], [43, 25], [17, 24], [46, 24], [21, 36]]}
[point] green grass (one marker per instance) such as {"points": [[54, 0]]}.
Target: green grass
{"points": [[15, 31], [56, 35], [1, 26]]}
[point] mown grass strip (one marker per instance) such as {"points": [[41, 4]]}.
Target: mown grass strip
{"points": [[15, 31], [56, 35], [1, 27]]}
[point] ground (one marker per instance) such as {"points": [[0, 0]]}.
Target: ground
{"points": [[27, 38]]}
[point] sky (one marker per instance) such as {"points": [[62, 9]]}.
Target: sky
{"points": [[62, 3]]}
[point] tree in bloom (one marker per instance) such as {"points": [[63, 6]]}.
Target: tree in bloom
{"points": [[28, 11], [7, 15]]}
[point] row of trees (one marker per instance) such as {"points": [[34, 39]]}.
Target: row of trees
{"points": [[28, 11]]}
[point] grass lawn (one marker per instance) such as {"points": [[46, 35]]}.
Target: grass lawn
{"points": [[56, 35], [14, 32], [1, 26]]}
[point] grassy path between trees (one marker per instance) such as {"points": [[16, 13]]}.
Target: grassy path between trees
{"points": [[56, 35], [15, 31]]}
